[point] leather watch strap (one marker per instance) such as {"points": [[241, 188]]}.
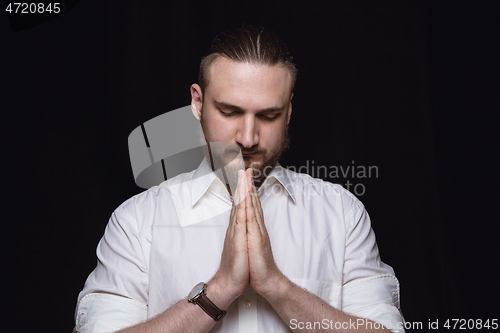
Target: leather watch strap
{"points": [[210, 308]]}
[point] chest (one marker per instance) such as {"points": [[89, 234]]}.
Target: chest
{"points": [[308, 246]]}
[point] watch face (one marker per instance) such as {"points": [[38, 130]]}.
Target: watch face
{"points": [[196, 290]]}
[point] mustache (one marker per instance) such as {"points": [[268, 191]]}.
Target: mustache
{"points": [[250, 151], [253, 150], [245, 151]]}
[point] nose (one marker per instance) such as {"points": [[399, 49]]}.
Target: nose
{"points": [[247, 135]]}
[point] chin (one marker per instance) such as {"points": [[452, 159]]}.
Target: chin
{"points": [[252, 161]]}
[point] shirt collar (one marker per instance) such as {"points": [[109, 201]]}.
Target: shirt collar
{"points": [[280, 175], [204, 178]]}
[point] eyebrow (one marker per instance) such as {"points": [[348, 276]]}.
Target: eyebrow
{"points": [[237, 108]]}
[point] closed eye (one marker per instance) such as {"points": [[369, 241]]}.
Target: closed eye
{"points": [[269, 118], [228, 114], [234, 113]]}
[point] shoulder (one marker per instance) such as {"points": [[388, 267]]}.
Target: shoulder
{"points": [[159, 195]]}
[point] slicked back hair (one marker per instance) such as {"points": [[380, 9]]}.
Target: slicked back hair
{"points": [[248, 44]]}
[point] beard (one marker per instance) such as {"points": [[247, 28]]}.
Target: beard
{"points": [[270, 159], [226, 158]]}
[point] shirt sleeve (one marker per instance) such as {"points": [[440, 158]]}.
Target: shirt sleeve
{"points": [[115, 294], [103, 313], [370, 289]]}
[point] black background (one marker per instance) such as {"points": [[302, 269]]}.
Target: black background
{"points": [[408, 86]]}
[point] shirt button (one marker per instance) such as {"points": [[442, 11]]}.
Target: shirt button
{"points": [[247, 304]]}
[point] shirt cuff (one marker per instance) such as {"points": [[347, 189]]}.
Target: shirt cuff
{"points": [[375, 298], [102, 313]]}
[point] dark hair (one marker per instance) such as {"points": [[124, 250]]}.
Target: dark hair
{"points": [[247, 44]]}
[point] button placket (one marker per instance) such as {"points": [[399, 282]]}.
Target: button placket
{"points": [[247, 311]]}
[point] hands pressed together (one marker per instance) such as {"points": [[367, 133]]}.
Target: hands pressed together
{"points": [[247, 257]]}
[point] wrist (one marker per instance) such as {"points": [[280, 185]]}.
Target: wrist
{"points": [[278, 286], [218, 294]]}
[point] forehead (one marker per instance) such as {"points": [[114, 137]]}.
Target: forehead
{"points": [[249, 85]]}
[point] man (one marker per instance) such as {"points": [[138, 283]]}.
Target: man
{"points": [[295, 254]]}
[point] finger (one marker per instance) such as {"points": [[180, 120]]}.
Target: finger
{"points": [[232, 218], [258, 218], [241, 184], [252, 224], [234, 208], [250, 185], [249, 174], [258, 210], [241, 213], [258, 206], [242, 193], [234, 205]]}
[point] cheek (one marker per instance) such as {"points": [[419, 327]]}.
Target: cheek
{"points": [[219, 130], [271, 137]]}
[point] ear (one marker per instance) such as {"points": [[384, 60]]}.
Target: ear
{"points": [[289, 112], [196, 100]]}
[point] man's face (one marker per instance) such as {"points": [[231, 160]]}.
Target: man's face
{"points": [[248, 105]]}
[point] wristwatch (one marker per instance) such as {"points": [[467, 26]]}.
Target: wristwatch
{"points": [[198, 296]]}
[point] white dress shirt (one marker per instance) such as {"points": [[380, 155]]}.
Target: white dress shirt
{"points": [[160, 243]]}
